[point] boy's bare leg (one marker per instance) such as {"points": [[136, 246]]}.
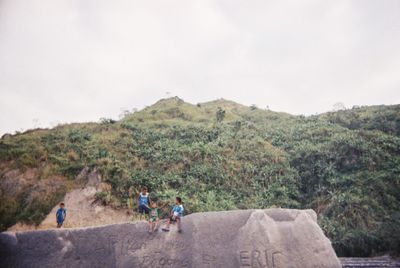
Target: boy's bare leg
{"points": [[178, 223], [168, 224]]}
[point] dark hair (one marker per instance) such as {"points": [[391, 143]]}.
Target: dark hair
{"points": [[144, 188], [179, 199], [62, 204]]}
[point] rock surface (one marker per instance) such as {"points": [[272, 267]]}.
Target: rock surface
{"points": [[243, 238]]}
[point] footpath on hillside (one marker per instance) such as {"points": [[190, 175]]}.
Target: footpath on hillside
{"points": [[82, 208]]}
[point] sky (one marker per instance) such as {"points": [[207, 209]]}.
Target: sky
{"points": [[67, 61]]}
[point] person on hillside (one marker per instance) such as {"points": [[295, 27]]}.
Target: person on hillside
{"points": [[61, 215], [144, 201], [175, 215], [154, 217]]}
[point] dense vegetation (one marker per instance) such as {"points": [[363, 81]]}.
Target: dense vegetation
{"points": [[222, 155]]}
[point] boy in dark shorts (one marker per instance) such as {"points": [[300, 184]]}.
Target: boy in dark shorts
{"points": [[60, 215], [175, 215], [144, 201]]}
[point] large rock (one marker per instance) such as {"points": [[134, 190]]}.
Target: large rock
{"points": [[247, 238]]}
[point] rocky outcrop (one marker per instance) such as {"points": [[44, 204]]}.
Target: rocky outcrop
{"points": [[248, 238]]}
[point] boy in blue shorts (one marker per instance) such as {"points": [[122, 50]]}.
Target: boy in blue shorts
{"points": [[175, 215], [60, 215]]}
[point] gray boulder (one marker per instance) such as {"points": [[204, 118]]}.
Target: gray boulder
{"points": [[243, 238]]}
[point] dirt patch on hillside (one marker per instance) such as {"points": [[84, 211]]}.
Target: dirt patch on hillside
{"points": [[82, 210]]}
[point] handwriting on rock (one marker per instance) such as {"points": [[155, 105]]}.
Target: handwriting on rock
{"points": [[130, 244], [259, 258], [162, 261], [175, 245], [209, 260], [92, 262]]}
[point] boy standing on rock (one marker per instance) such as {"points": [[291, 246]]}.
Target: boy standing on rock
{"points": [[144, 201], [176, 215], [60, 215]]}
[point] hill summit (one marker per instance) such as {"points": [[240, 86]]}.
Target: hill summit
{"points": [[176, 111], [220, 155]]}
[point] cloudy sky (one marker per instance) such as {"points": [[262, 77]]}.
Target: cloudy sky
{"points": [[80, 60]]}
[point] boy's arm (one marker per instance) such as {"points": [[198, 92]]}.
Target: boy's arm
{"points": [[163, 206]]}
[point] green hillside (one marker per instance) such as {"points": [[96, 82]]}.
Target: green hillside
{"points": [[221, 155]]}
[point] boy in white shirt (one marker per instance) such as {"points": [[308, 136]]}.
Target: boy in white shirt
{"points": [[176, 215]]}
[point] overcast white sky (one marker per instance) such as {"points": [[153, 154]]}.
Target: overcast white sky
{"points": [[80, 60]]}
